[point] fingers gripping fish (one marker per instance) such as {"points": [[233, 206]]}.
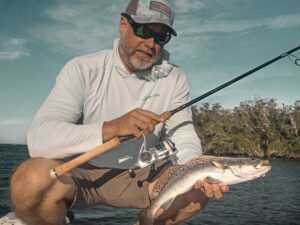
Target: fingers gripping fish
{"points": [[181, 179]]}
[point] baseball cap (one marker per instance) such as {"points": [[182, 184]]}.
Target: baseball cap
{"points": [[151, 11]]}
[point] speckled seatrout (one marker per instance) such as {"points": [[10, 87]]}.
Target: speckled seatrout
{"points": [[180, 179]]}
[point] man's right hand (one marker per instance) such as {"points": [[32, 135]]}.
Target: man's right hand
{"points": [[136, 122]]}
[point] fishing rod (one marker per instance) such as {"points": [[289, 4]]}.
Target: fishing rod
{"points": [[162, 149], [297, 62]]}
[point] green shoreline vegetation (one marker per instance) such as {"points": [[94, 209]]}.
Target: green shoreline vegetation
{"points": [[256, 128]]}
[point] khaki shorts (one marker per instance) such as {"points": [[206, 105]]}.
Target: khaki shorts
{"points": [[113, 187]]}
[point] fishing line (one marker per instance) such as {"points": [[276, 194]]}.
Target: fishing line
{"points": [[294, 59], [286, 54]]}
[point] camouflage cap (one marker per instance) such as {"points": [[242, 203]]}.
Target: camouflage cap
{"points": [[151, 11]]}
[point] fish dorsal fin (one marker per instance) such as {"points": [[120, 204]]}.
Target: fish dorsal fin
{"points": [[223, 167], [219, 165], [167, 204], [212, 180]]}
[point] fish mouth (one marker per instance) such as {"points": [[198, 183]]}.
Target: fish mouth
{"points": [[260, 170], [266, 169], [262, 163]]}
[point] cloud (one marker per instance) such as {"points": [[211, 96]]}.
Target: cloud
{"points": [[14, 121], [12, 55], [80, 27], [199, 32], [227, 26], [284, 21], [13, 49], [185, 6]]}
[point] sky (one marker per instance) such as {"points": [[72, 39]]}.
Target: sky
{"points": [[217, 41]]}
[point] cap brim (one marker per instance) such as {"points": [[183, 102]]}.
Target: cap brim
{"points": [[140, 20]]}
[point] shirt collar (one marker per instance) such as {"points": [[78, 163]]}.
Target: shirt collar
{"points": [[120, 67]]}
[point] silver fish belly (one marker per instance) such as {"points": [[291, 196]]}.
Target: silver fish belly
{"points": [[223, 170]]}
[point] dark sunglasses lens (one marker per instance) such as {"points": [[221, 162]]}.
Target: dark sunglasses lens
{"points": [[161, 38], [145, 33]]}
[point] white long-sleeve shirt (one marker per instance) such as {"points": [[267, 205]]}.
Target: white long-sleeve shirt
{"points": [[99, 87]]}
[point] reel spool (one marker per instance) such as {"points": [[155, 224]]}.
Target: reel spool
{"points": [[134, 154]]}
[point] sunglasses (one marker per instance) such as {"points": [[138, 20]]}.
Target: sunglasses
{"points": [[142, 31]]}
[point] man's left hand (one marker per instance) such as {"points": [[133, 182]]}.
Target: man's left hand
{"points": [[211, 190]]}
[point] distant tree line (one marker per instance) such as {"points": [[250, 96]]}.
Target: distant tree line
{"points": [[256, 127]]}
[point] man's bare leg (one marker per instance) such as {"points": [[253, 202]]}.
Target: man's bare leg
{"points": [[36, 197]]}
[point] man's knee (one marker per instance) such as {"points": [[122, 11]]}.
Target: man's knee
{"points": [[30, 181]]}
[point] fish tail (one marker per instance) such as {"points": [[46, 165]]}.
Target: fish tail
{"points": [[145, 217]]}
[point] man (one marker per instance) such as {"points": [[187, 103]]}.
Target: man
{"points": [[116, 92]]}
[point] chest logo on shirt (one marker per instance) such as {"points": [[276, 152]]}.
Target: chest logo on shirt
{"points": [[150, 96]]}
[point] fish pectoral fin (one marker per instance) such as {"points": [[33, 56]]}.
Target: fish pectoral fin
{"points": [[212, 180], [167, 204]]}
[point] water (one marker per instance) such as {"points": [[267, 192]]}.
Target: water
{"points": [[274, 199]]}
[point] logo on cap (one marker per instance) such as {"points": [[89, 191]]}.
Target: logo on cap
{"points": [[159, 7]]}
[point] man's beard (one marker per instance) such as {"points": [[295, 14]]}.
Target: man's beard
{"points": [[135, 63]]}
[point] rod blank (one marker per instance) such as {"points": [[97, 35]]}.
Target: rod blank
{"points": [[233, 81]]}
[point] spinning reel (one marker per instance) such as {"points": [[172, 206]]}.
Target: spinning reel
{"points": [[132, 154], [149, 155]]}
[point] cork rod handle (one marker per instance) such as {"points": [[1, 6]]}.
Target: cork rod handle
{"points": [[62, 169]]}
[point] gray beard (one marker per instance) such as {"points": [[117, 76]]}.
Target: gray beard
{"points": [[136, 64]]}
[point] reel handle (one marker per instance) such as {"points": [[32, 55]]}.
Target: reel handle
{"points": [[166, 115]]}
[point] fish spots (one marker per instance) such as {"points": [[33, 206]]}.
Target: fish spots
{"points": [[177, 180]]}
